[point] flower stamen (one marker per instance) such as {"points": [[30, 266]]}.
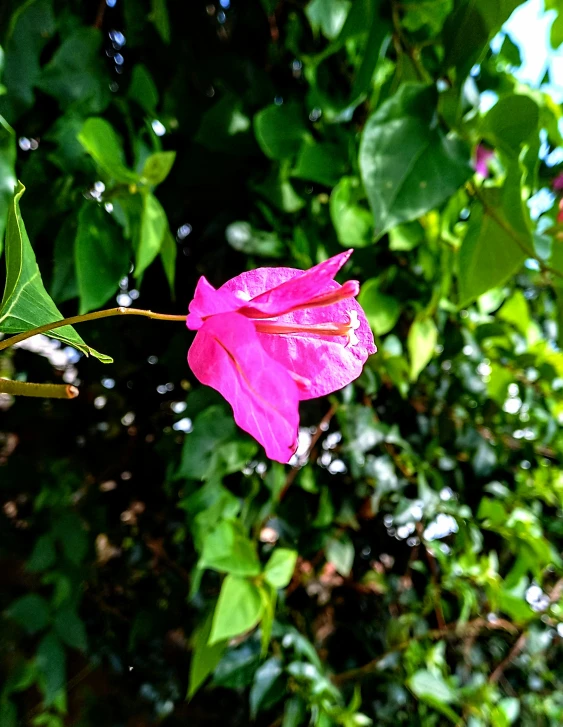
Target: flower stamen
{"points": [[334, 328]]}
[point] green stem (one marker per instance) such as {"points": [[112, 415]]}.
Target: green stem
{"points": [[88, 317], [45, 391]]}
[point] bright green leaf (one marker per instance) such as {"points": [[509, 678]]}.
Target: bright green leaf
{"points": [[238, 609], [7, 173], [204, 657], [227, 550], [382, 311], [353, 222], [26, 304], [99, 139], [421, 342], [157, 167], [279, 568]]}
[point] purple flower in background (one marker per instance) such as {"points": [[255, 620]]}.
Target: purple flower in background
{"points": [[557, 182]]}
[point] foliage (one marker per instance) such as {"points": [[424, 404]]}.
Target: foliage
{"points": [[406, 568]]}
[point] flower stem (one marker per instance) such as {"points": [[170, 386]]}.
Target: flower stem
{"points": [[45, 391], [88, 317]]}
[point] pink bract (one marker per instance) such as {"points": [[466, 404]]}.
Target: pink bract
{"points": [[557, 182], [482, 158], [273, 336]]}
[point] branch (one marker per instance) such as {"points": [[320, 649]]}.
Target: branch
{"points": [[45, 391], [88, 317]]}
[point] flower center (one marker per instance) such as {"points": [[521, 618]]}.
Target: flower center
{"points": [[334, 328]]}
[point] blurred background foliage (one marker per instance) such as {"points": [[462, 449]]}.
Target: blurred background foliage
{"points": [[405, 568]]}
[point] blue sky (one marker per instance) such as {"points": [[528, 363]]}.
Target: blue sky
{"points": [[529, 28]]}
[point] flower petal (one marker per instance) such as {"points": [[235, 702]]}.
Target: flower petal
{"points": [[284, 289], [326, 362], [208, 301], [226, 354]]}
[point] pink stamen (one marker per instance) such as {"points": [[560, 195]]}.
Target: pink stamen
{"points": [[340, 328]]}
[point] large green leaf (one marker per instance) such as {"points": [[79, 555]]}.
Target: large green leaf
{"points": [[227, 550], [468, 29], [352, 221], [26, 304], [7, 173], [408, 165], [496, 241], [238, 609], [511, 122], [101, 257]]}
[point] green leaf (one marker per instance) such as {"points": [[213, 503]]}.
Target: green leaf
{"points": [[268, 686], [494, 246], [408, 165], [340, 552], [211, 428], [245, 238], [26, 304], [322, 163], [430, 14], [69, 529], [31, 28], [280, 130], [70, 628], [499, 380], [7, 173], [76, 75], [238, 609], [433, 690], [227, 550], [511, 122], [157, 167], [204, 657], [468, 29], [64, 285], [142, 89], [421, 342], [353, 223], [382, 311], [279, 568], [154, 227], [8, 713], [328, 15], [225, 127], [158, 16], [43, 555], [51, 662], [99, 139], [101, 257], [168, 253], [31, 612]]}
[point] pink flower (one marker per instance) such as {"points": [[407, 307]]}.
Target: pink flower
{"points": [[482, 157], [557, 182], [274, 336]]}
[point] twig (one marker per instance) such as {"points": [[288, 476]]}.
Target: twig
{"points": [[322, 427], [110, 312], [512, 654], [45, 391]]}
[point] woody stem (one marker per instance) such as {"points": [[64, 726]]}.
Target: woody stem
{"points": [[88, 317]]}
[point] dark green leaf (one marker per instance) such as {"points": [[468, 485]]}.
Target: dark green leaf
{"points": [[51, 662], [101, 257], [268, 686], [7, 173], [280, 130], [31, 612], [70, 628], [408, 166]]}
